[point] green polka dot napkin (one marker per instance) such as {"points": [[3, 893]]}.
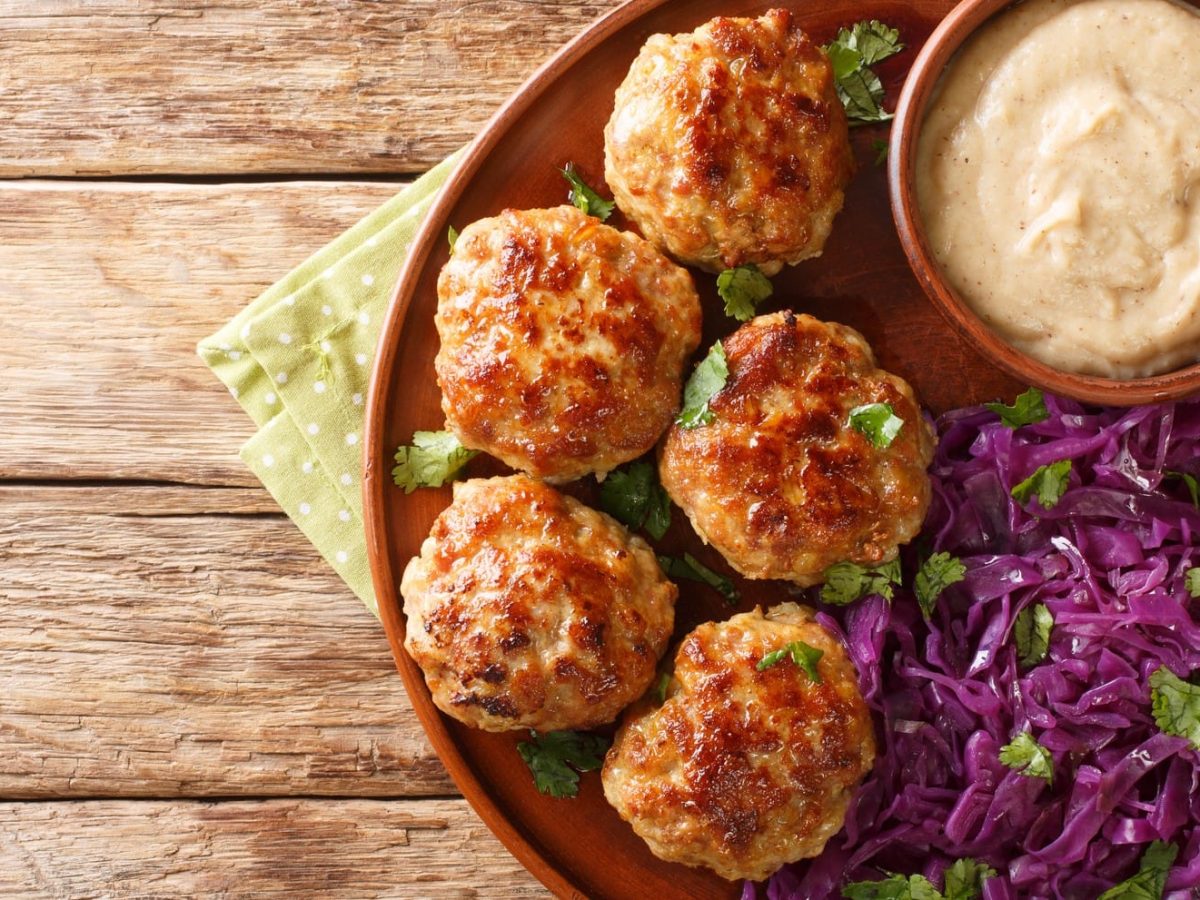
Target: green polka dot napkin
{"points": [[298, 359]]}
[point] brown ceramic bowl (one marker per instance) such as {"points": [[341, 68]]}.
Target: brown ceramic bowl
{"points": [[915, 98]]}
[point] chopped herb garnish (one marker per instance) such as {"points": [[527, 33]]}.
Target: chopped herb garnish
{"points": [[743, 289], [880, 146], [1176, 705], [660, 689], [846, 582], [708, 377], [1032, 634], [557, 757], [633, 496], [584, 198], [1028, 757], [1191, 581], [851, 53], [878, 421], [1151, 879], [434, 458], [1028, 409], [1190, 482], [937, 573], [800, 653], [692, 569], [894, 887], [964, 880], [452, 237], [1047, 483]]}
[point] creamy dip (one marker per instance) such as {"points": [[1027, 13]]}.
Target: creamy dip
{"points": [[1058, 176]]}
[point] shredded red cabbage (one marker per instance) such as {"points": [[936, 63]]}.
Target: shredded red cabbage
{"points": [[1109, 562]]}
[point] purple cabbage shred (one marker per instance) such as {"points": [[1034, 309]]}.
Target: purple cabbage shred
{"points": [[1109, 562]]}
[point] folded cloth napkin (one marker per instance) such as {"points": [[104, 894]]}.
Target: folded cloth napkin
{"points": [[298, 359]]}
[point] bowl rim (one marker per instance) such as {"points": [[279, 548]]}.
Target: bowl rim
{"points": [[919, 87]]}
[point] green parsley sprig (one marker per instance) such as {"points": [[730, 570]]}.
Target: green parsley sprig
{"points": [[878, 421], [851, 54], [1028, 409], [846, 582], [1151, 879], [937, 573], [802, 656], [1175, 704], [1028, 757], [1031, 631], [706, 380], [634, 497], [585, 199], [452, 237], [742, 289], [963, 881], [1191, 582], [693, 570], [557, 757], [1047, 483], [433, 458]]}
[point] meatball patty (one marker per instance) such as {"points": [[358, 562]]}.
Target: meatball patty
{"points": [[779, 481], [527, 609], [743, 770], [563, 341], [729, 145]]}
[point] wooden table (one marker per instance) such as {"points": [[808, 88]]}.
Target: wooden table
{"points": [[191, 702]]}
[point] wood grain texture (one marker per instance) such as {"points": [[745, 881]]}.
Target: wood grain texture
{"points": [[105, 290], [172, 641], [269, 86], [276, 848]]}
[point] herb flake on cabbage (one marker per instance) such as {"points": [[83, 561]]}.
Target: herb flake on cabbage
{"points": [[1032, 634], [1047, 483], [1028, 757], [1028, 409], [937, 573], [1151, 878], [1176, 705], [846, 582]]}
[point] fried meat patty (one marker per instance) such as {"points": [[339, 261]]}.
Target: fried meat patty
{"points": [[527, 609], [779, 482], [563, 341], [744, 770], [729, 145]]}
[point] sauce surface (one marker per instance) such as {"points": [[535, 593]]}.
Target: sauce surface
{"points": [[1058, 176]]}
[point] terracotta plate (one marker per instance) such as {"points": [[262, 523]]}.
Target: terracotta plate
{"points": [[580, 847]]}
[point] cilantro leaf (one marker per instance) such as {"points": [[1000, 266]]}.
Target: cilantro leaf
{"points": [[850, 54], [878, 421], [896, 887], [846, 582], [937, 573], [1047, 483], [1151, 878], [1028, 757], [743, 289], [800, 653], [633, 496], [1028, 409], [1190, 482], [880, 147], [1032, 634], [433, 458], [964, 880], [584, 198], [1175, 704], [452, 237], [708, 377], [557, 757], [1191, 581], [692, 569]]}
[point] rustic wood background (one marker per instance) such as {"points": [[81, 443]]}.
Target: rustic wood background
{"points": [[191, 703]]}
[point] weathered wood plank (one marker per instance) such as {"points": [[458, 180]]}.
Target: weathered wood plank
{"points": [[153, 649], [99, 87], [275, 848], [104, 291]]}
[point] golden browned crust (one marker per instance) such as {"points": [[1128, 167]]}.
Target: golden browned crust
{"points": [[741, 770], [527, 609], [729, 145], [779, 482], [563, 341]]}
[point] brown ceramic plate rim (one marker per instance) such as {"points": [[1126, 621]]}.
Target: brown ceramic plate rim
{"points": [[376, 474], [919, 87]]}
